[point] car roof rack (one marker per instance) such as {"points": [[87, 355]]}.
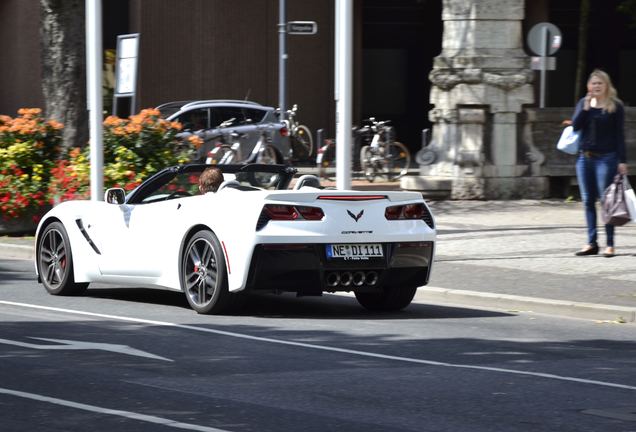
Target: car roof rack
{"points": [[234, 101]]}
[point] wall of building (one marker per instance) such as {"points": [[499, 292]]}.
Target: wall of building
{"points": [[20, 56], [216, 49]]}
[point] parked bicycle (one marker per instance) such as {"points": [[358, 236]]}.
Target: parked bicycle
{"points": [[326, 155], [229, 149], [380, 155], [326, 160], [383, 157], [231, 152], [301, 140]]}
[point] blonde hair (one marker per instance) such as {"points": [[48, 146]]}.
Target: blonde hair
{"points": [[612, 94]]}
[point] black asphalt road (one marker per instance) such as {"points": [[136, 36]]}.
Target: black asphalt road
{"points": [[133, 359]]}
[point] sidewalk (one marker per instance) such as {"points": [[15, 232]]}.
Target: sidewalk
{"points": [[512, 255], [519, 255]]}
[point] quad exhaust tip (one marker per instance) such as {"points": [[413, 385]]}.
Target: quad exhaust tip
{"points": [[358, 278], [345, 279], [333, 279]]}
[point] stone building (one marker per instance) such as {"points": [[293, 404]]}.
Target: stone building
{"points": [[458, 67]]}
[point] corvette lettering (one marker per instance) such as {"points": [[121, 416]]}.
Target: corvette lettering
{"points": [[356, 232]]}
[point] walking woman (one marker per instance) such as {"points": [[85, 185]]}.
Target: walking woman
{"points": [[599, 118]]}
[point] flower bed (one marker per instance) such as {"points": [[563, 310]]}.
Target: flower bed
{"points": [[35, 173], [29, 147], [134, 148]]}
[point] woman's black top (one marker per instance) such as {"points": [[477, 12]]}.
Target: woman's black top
{"points": [[600, 131]]}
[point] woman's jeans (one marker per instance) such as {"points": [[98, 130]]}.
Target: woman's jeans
{"points": [[595, 174]]}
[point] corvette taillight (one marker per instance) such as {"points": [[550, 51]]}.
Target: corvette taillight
{"points": [[393, 212], [280, 212], [409, 212], [285, 212], [310, 213], [413, 211]]}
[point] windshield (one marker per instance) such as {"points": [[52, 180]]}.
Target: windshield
{"points": [[183, 181]]}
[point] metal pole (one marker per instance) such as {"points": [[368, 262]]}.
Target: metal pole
{"points": [[544, 55], [94, 94], [344, 50], [282, 61]]}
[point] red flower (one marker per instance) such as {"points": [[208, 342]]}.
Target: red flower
{"points": [[130, 186]]}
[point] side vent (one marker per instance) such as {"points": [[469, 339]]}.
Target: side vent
{"points": [[428, 218], [80, 225]]}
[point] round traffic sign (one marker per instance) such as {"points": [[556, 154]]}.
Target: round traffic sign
{"points": [[544, 39]]}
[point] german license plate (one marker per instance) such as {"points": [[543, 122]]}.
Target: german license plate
{"points": [[356, 251]]}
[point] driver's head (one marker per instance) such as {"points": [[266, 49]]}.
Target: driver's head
{"points": [[210, 180]]}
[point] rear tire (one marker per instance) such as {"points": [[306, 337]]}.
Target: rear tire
{"points": [[203, 274], [390, 299], [55, 262], [366, 164], [303, 137], [397, 160], [326, 163], [224, 154], [267, 156]]}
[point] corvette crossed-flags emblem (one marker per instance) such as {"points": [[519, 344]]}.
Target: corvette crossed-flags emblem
{"points": [[355, 217]]}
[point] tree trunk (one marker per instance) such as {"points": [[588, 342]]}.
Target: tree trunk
{"points": [[581, 61], [62, 37]]}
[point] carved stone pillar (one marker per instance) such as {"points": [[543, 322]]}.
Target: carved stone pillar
{"points": [[481, 80]]}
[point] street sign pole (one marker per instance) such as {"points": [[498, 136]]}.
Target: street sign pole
{"points": [[544, 39], [544, 44]]}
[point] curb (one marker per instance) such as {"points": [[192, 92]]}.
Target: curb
{"points": [[486, 300], [14, 251], [591, 311]]}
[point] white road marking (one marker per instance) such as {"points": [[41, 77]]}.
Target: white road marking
{"points": [[80, 345], [327, 348], [127, 414]]}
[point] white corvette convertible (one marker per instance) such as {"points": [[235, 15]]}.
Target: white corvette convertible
{"points": [[252, 234]]}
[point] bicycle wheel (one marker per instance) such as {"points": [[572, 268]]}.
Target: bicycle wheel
{"points": [[326, 162], [223, 154], [267, 156], [265, 180], [304, 140], [367, 164], [396, 161]]}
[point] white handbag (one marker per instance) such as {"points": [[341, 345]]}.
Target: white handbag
{"points": [[569, 141], [630, 200]]}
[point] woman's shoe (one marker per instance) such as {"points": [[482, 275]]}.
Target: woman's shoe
{"points": [[609, 252], [588, 250]]}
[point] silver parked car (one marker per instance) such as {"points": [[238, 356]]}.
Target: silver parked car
{"points": [[230, 122]]}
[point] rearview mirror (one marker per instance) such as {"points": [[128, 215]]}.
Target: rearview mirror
{"points": [[115, 196]]}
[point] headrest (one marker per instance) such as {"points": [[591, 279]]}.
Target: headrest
{"points": [[307, 180], [229, 183]]}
